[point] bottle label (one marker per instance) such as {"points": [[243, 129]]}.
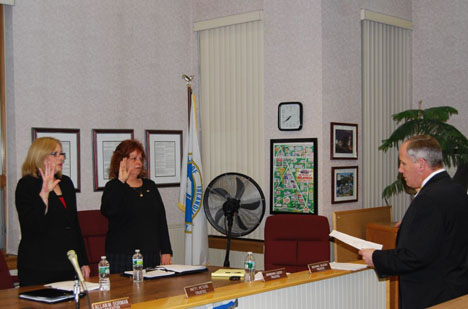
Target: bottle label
{"points": [[137, 262], [249, 265], [103, 270]]}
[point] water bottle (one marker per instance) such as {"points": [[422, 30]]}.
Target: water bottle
{"points": [[104, 282], [249, 266], [137, 266]]}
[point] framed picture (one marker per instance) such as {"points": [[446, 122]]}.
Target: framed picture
{"points": [[104, 143], [344, 184], [70, 140], [164, 157], [293, 180], [343, 141]]}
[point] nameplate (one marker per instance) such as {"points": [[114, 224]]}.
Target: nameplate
{"points": [[274, 274], [320, 266], [112, 304], [199, 289]]}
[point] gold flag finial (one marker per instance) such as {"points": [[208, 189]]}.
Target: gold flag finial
{"points": [[420, 104]]}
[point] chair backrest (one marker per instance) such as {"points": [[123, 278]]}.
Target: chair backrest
{"points": [[292, 241], [354, 223], [94, 229], [6, 281]]}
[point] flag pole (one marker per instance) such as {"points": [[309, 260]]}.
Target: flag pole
{"points": [[188, 80]]}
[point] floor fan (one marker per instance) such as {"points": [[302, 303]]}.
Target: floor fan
{"points": [[234, 205]]}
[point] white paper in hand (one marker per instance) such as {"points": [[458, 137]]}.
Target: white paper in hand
{"points": [[355, 242]]}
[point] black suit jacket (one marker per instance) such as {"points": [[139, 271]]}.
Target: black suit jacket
{"points": [[46, 238], [431, 254]]}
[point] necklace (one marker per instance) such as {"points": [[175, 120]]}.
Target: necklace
{"points": [[138, 190]]}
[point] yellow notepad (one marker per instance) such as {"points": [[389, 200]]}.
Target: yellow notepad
{"points": [[227, 273]]}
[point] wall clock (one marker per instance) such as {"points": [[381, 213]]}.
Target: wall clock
{"points": [[290, 116]]}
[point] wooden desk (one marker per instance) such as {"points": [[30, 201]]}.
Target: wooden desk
{"points": [[385, 234], [327, 289]]}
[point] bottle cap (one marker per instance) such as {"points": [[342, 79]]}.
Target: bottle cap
{"points": [[249, 252], [137, 250], [103, 257]]}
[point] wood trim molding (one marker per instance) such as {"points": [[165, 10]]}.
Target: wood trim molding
{"points": [[237, 244]]}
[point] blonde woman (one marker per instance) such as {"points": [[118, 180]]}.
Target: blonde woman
{"points": [[46, 205]]}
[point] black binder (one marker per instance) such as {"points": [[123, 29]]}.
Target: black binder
{"points": [[49, 296]]}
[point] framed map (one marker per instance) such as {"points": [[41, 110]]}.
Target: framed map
{"points": [[293, 178]]}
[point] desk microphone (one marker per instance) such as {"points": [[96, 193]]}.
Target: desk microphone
{"points": [[74, 260]]}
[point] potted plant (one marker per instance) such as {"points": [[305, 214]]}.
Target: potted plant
{"points": [[431, 121]]}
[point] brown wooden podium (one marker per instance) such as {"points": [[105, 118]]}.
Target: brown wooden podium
{"points": [[385, 234]]}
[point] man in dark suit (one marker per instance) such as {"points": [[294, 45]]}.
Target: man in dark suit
{"points": [[431, 255]]}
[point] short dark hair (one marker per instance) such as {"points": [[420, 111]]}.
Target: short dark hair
{"points": [[122, 151], [425, 147]]}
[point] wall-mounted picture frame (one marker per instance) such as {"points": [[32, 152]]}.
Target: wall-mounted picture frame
{"points": [[344, 184], [104, 143], [343, 141], [70, 140], [164, 156], [293, 176]]}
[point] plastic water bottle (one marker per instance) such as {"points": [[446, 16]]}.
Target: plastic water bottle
{"points": [[249, 266], [104, 282], [137, 266]]}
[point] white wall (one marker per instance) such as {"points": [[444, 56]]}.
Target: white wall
{"points": [[440, 63], [94, 64]]}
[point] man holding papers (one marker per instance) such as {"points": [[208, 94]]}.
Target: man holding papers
{"points": [[431, 254]]}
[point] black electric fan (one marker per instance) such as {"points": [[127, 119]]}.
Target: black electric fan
{"points": [[234, 205]]}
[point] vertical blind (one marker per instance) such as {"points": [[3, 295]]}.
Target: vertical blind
{"points": [[231, 99], [386, 90]]}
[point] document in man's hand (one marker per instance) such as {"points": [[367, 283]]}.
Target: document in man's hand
{"points": [[355, 242]]}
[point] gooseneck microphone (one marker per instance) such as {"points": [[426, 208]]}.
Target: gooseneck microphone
{"points": [[74, 261]]}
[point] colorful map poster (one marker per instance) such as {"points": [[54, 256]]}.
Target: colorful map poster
{"points": [[293, 187]]}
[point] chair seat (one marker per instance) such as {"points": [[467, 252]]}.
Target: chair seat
{"points": [[293, 241]]}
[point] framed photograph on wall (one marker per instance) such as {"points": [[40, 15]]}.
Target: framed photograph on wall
{"points": [[344, 184], [70, 140], [164, 156], [343, 141], [104, 143], [293, 176]]}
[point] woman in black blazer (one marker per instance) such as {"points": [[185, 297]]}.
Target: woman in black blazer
{"points": [[46, 205]]}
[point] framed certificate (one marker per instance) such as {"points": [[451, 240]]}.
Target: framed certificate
{"points": [[70, 140], [104, 143], [164, 156]]}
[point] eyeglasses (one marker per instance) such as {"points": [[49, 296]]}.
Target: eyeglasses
{"points": [[58, 154]]}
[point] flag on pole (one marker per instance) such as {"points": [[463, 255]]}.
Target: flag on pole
{"points": [[191, 194]]}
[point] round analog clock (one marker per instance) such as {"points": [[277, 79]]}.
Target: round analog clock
{"points": [[290, 116]]}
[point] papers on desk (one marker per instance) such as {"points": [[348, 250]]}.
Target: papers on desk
{"points": [[182, 268], [168, 270], [347, 266], [355, 242], [69, 285]]}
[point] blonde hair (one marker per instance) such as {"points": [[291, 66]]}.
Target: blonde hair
{"points": [[38, 151]]}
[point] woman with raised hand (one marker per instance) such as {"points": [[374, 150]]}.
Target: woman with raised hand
{"points": [[46, 205], [133, 205]]}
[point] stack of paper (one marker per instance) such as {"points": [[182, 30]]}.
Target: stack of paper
{"points": [[69, 285], [227, 273], [347, 266]]}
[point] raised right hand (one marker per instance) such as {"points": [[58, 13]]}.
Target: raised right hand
{"points": [[123, 171], [48, 181]]}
